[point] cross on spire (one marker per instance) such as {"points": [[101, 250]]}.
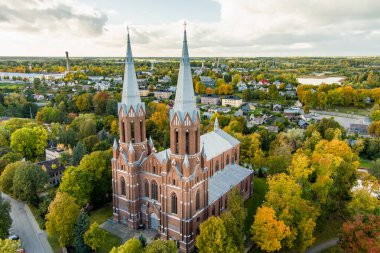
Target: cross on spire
{"points": [[184, 25]]}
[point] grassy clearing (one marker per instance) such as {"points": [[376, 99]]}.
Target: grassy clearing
{"points": [[350, 110], [365, 163], [260, 187], [328, 228], [110, 242], [102, 214]]}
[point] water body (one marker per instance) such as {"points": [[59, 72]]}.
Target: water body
{"points": [[320, 80], [31, 75]]}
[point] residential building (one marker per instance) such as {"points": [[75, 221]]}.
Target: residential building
{"points": [[233, 101], [144, 92], [54, 169], [210, 99], [162, 94]]}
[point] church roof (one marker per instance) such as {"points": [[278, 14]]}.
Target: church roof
{"points": [[222, 181], [130, 94], [161, 156], [185, 99], [217, 142]]}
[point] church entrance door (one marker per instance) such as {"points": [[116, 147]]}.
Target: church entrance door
{"points": [[154, 221]]}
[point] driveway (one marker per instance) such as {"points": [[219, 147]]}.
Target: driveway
{"points": [[33, 239]]}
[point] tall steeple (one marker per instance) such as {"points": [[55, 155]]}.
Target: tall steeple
{"points": [[131, 94], [184, 98]]}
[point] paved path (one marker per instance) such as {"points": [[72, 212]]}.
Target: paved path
{"points": [[33, 239], [322, 246]]}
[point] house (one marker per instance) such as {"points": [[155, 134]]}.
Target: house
{"points": [[238, 113], [144, 92], [172, 88], [289, 87], [247, 107], [360, 129], [272, 129], [233, 101], [303, 124], [292, 113], [207, 80], [277, 83], [54, 169], [264, 82], [241, 86], [165, 79], [102, 85], [277, 107], [298, 104], [210, 99], [162, 94], [53, 153]]}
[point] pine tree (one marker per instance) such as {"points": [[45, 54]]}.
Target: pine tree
{"points": [[81, 226], [78, 152]]}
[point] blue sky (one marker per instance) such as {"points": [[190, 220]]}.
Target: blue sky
{"points": [[245, 28]]}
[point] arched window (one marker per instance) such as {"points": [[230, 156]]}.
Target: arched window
{"points": [[236, 156], [187, 142], [174, 203], [141, 130], [198, 201], [132, 131], [122, 181], [196, 141], [122, 131], [217, 166], [154, 190], [146, 188], [227, 159], [176, 141]]}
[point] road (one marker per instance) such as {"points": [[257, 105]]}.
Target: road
{"points": [[323, 246], [33, 239]]}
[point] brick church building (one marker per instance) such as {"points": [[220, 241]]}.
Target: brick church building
{"points": [[175, 190]]}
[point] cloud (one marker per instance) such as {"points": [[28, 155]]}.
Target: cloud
{"points": [[245, 28]]}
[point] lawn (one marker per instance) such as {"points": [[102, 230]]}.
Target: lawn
{"points": [[365, 163], [260, 187], [328, 228], [102, 214]]}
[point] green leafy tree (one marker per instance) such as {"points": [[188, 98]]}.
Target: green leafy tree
{"points": [[363, 203], [9, 246], [6, 178], [30, 142], [161, 246], [94, 236], [5, 217], [28, 180], [77, 183], [133, 245], [98, 165], [213, 237], [234, 218], [375, 169], [61, 218]]}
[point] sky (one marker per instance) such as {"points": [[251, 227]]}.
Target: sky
{"points": [[215, 28]]}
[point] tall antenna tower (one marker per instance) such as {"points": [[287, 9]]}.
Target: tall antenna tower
{"points": [[67, 62]]}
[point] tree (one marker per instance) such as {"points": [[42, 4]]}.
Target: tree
{"points": [[267, 231], [213, 237], [61, 218], [28, 180], [98, 164], [77, 183], [100, 101], [363, 203], [161, 246], [375, 169], [94, 236], [133, 245], [78, 152], [5, 217], [234, 218], [81, 226], [9, 246], [83, 102], [361, 234], [374, 129], [30, 142], [6, 178]]}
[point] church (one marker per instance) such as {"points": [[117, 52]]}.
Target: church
{"points": [[175, 190]]}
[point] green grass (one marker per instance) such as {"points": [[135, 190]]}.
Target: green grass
{"points": [[102, 214], [350, 110], [39, 219], [54, 243], [260, 187], [365, 163], [328, 228], [110, 242]]}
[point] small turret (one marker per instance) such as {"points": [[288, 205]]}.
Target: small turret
{"points": [[216, 124], [186, 163], [131, 152], [115, 148]]}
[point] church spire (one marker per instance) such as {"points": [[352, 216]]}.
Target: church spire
{"points": [[131, 94], [184, 98]]}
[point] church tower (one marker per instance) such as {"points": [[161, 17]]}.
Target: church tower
{"points": [[131, 148], [187, 184]]}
